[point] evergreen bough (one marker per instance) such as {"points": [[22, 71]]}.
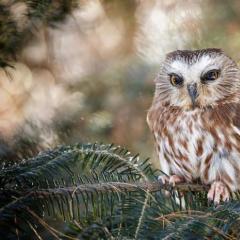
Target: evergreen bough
{"points": [[97, 191]]}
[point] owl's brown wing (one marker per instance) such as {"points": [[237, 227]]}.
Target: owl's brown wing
{"points": [[226, 119], [152, 117], [236, 118], [224, 115]]}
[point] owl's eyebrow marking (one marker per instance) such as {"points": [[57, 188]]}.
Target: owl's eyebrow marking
{"points": [[174, 68], [211, 65], [175, 73]]}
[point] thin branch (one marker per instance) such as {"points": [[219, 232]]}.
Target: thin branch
{"points": [[112, 187], [124, 187]]}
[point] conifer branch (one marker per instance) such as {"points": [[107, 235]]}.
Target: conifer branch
{"points": [[124, 187]]}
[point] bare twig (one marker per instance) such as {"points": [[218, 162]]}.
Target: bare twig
{"points": [[125, 187], [112, 187]]}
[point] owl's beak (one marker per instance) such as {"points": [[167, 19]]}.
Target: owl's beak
{"points": [[193, 93]]}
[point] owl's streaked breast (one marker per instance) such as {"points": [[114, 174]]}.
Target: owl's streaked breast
{"points": [[181, 143], [189, 147]]}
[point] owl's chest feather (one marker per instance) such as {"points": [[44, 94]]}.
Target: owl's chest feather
{"points": [[184, 140], [189, 147], [198, 143]]}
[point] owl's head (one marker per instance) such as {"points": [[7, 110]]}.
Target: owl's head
{"points": [[198, 79]]}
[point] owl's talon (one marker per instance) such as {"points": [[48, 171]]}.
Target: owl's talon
{"points": [[218, 192], [172, 180], [163, 179], [175, 179]]}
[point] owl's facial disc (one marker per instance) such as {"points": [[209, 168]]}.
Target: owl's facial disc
{"points": [[198, 79]]}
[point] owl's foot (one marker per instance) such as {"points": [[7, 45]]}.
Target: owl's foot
{"points": [[173, 179], [163, 179], [218, 192]]}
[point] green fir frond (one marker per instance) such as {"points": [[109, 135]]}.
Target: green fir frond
{"points": [[97, 191], [67, 183], [72, 164]]}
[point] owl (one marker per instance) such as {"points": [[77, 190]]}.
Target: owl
{"points": [[195, 120]]}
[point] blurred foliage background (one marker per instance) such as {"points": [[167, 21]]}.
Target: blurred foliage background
{"points": [[90, 77]]}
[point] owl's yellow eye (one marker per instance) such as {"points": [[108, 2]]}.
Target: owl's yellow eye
{"points": [[210, 75], [176, 80]]}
